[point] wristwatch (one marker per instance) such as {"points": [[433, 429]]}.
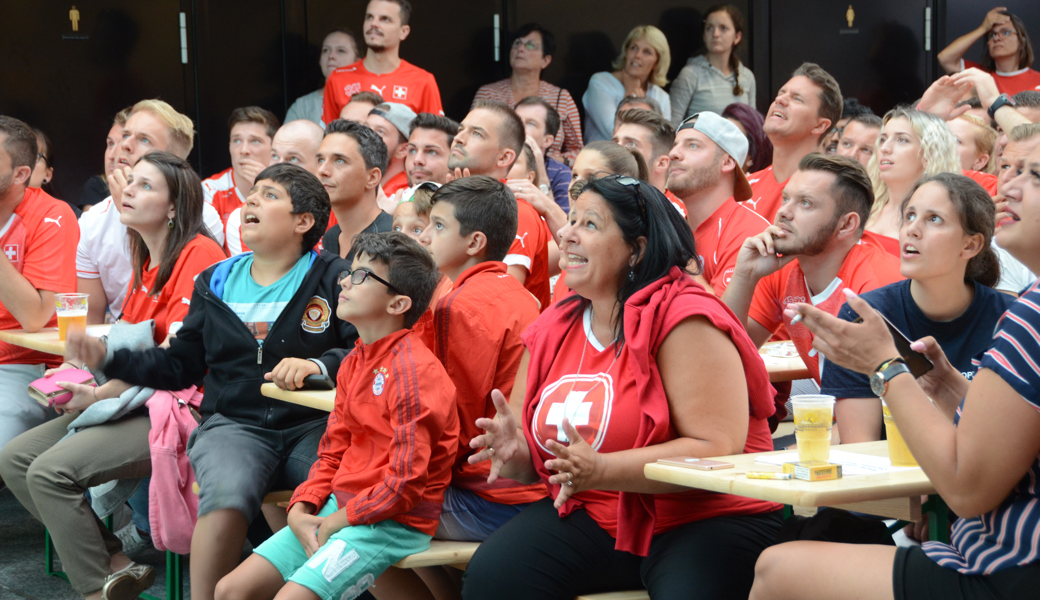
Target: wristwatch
{"points": [[1001, 101], [544, 188], [886, 371]]}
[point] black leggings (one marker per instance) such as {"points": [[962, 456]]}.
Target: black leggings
{"points": [[539, 555]]}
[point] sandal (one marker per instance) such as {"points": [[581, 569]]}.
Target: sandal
{"points": [[128, 583]]}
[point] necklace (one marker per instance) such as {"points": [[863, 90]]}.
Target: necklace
{"points": [[582, 361]]}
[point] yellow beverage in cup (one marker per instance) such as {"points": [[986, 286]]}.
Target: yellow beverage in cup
{"points": [[73, 321], [72, 312], [813, 417], [898, 452]]}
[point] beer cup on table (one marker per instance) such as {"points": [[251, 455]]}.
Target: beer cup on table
{"points": [[813, 419], [72, 312], [898, 452]]}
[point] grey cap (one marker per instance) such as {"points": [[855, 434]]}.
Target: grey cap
{"points": [[728, 137], [399, 115]]}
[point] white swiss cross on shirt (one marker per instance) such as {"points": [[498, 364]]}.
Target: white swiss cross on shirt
{"points": [[574, 409], [400, 92], [11, 250]]}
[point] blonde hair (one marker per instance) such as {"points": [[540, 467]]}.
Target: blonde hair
{"points": [[182, 130], [985, 137], [938, 151], [655, 37]]}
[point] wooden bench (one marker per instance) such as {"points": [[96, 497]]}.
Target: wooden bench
{"points": [[634, 595], [441, 552]]}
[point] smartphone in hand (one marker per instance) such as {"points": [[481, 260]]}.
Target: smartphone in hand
{"points": [[918, 363], [318, 382]]}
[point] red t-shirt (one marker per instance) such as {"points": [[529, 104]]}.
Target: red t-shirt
{"points": [[766, 193], [598, 394], [170, 306], [407, 84], [719, 238], [477, 329], [220, 191], [40, 240], [397, 182], [866, 267], [530, 250], [676, 202], [888, 244], [1011, 83], [988, 181]]}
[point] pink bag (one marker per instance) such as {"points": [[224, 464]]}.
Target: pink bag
{"points": [[46, 391], [173, 506]]}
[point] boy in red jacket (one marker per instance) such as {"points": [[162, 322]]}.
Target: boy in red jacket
{"points": [[374, 496]]}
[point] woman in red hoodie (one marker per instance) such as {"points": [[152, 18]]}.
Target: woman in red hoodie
{"points": [[638, 363]]}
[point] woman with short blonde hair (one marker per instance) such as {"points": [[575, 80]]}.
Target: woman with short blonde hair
{"points": [[640, 70]]}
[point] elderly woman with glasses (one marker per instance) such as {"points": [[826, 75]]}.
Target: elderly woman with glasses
{"points": [[531, 53], [638, 363], [1008, 55]]}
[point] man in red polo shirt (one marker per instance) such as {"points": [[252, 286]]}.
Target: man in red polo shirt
{"points": [[490, 139], [705, 174], [810, 254], [38, 238], [804, 111], [382, 70]]}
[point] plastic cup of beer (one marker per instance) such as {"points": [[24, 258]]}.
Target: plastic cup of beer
{"points": [[72, 313], [813, 418], [898, 452]]}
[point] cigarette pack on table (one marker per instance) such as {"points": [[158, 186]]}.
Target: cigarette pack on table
{"points": [[813, 471]]}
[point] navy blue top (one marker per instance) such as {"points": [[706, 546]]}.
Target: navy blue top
{"points": [[559, 180], [962, 339]]}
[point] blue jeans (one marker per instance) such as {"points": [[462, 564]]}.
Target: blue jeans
{"points": [[466, 517]]}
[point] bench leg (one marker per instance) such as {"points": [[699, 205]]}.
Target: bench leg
{"points": [[938, 519]]}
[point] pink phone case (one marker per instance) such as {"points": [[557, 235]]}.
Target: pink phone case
{"points": [[47, 392]]}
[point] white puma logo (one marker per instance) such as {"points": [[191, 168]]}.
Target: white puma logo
{"points": [[521, 238], [378, 89], [55, 221], [753, 203]]}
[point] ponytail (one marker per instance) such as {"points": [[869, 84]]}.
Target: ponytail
{"points": [[734, 65], [984, 268]]}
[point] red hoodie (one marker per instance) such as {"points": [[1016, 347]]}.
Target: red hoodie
{"points": [[390, 442]]}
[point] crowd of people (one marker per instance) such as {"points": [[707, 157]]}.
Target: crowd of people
{"points": [[444, 276]]}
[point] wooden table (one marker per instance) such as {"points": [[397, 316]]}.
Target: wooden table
{"points": [[46, 339], [895, 495], [782, 369], [322, 400]]}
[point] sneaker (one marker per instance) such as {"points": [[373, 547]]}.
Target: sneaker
{"points": [[134, 540], [128, 583]]}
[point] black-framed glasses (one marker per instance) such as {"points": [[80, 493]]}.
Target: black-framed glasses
{"points": [[1005, 33], [627, 181], [529, 45], [40, 156], [358, 276]]}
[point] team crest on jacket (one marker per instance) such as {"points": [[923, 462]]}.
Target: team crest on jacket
{"points": [[584, 400], [379, 383], [317, 316]]}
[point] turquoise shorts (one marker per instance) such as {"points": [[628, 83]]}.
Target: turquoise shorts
{"points": [[349, 562]]}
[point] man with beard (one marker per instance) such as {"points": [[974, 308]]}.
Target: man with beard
{"points": [[705, 174], [382, 70], [429, 146], [488, 142], [810, 254]]}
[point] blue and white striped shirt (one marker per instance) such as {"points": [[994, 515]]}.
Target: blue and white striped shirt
{"points": [[1009, 535]]}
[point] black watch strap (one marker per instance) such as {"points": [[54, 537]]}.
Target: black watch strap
{"points": [[1001, 100]]}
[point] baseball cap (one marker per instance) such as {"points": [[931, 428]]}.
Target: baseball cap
{"points": [[726, 135], [399, 115]]}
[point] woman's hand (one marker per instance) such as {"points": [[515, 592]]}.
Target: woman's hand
{"points": [[577, 464], [944, 384], [305, 524], [501, 440], [994, 17], [82, 397], [860, 347], [942, 96], [62, 367], [82, 349]]}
